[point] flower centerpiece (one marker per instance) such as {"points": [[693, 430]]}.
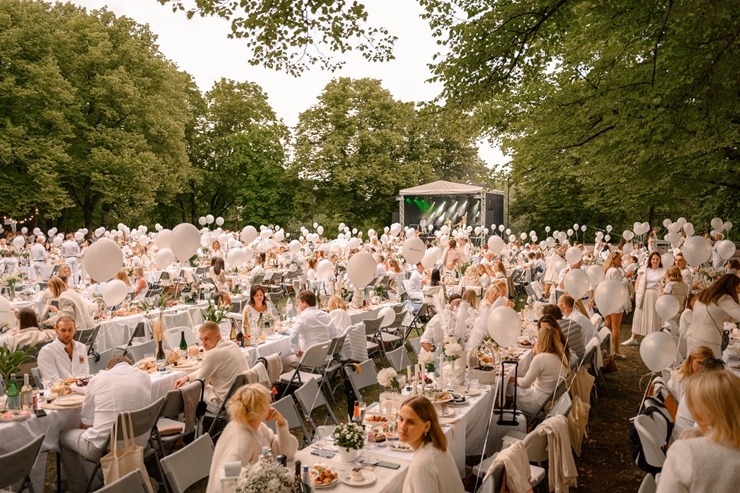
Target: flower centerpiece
{"points": [[10, 280], [349, 439], [426, 358], [453, 369], [265, 476], [216, 313], [266, 323], [388, 378]]}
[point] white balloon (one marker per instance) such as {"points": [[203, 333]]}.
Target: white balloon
{"points": [[609, 296], [576, 283], [674, 227], [355, 242], [236, 257], [103, 259], [688, 228], [726, 249], [697, 250], [512, 238], [673, 238], [727, 226], [584, 228], [559, 264], [667, 259], [388, 314], [114, 292], [523, 236], [504, 326], [279, 236], [210, 218], [24, 230], [667, 222], [37, 231], [220, 221], [361, 269], [573, 255], [477, 230], [320, 230], [667, 306], [324, 269], [143, 240], [429, 259], [717, 223], [437, 252], [495, 244], [248, 254], [547, 229], [508, 231], [249, 234], [595, 274], [202, 220], [645, 227], [607, 238], [20, 241], [608, 228], [576, 226], [184, 241], [658, 350], [627, 248], [570, 232], [163, 238], [294, 246], [501, 227], [413, 250], [164, 258], [628, 235]]}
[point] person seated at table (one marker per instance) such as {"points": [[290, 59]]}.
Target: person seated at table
{"points": [[9, 263], [217, 273], [470, 278], [380, 269], [684, 419], [338, 313], [710, 461], [222, 362], [548, 367], [570, 311], [123, 387], [64, 357], [691, 365], [571, 330], [467, 314], [70, 303], [141, 286], [312, 325], [246, 433], [122, 276], [434, 332], [492, 300], [432, 467], [256, 306], [27, 333], [416, 282], [483, 278], [257, 270], [216, 250]]}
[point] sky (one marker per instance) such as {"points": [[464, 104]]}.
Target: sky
{"points": [[200, 46]]}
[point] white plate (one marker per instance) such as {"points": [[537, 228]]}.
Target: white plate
{"points": [[17, 416], [368, 478], [471, 392], [70, 400], [78, 390], [400, 447], [446, 412], [326, 486]]}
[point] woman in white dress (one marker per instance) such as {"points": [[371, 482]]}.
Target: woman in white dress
{"points": [[338, 313], [256, 306], [646, 319], [714, 306], [613, 321]]}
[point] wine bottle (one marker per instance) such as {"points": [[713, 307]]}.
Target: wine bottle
{"points": [[183, 342], [26, 395]]}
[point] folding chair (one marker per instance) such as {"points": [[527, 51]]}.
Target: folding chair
{"points": [[220, 418], [415, 345], [652, 437], [422, 316], [172, 337], [492, 484], [139, 331], [355, 346], [648, 484], [139, 351], [536, 446], [287, 407], [366, 377], [189, 464], [590, 362], [87, 337], [372, 328], [541, 414], [100, 361], [132, 482], [310, 397], [35, 372], [310, 367], [389, 334], [170, 428], [399, 358], [16, 466]]}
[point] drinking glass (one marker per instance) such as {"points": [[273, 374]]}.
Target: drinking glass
{"points": [[319, 440], [363, 408]]}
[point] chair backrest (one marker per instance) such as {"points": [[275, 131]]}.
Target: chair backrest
{"points": [[36, 373], [172, 336], [367, 376], [397, 321], [492, 483], [415, 344], [102, 361], [315, 356], [355, 345], [536, 445], [132, 482], [16, 466], [648, 484], [337, 343], [286, 406], [189, 464], [139, 331], [651, 435], [372, 325], [138, 351], [399, 358], [310, 397], [143, 419], [562, 405], [597, 320]]}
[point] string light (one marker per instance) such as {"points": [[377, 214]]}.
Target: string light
{"points": [[24, 220]]}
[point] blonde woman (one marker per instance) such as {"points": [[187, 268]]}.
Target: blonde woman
{"points": [[709, 462], [245, 435], [690, 366], [432, 468], [492, 300], [141, 287], [70, 304], [613, 270], [675, 286], [122, 276], [338, 313]]}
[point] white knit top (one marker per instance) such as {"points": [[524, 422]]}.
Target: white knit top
{"points": [[700, 465], [432, 471]]}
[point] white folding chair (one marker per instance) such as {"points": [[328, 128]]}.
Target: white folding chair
{"points": [[100, 362], [189, 464], [652, 437], [648, 484], [309, 368], [287, 407], [132, 482], [399, 358], [310, 397], [139, 351], [16, 466], [366, 377], [356, 344]]}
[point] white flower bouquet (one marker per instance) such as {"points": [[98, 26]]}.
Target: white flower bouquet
{"points": [[452, 349], [388, 378], [349, 436], [426, 358], [265, 476]]}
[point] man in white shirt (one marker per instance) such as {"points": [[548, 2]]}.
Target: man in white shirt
{"points": [[64, 357], [566, 303], [222, 362], [70, 250], [121, 388], [434, 332], [38, 258], [380, 269], [415, 283], [312, 325], [257, 270]]}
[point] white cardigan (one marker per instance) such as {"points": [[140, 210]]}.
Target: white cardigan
{"points": [[699, 465], [708, 321], [432, 471]]}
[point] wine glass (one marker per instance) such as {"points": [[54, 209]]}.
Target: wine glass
{"points": [[319, 440]]}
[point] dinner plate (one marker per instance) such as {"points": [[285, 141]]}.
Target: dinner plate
{"points": [[326, 486], [443, 401], [10, 416], [446, 412], [372, 422], [468, 392], [400, 447], [368, 478], [77, 389], [70, 400]]}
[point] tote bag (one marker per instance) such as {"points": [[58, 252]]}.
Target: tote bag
{"points": [[119, 462]]}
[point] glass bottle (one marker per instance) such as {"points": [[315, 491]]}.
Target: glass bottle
{"points": [[183, 342], [14, 399], [26, 395]]}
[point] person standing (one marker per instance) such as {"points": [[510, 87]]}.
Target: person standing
{"points": [[38, 259], [646, 320], [714, 306], [70, 250], [613, 270]]}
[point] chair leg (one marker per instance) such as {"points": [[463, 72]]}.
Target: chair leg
{"points": [[88, 488]]}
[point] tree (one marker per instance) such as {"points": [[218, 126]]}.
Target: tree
{"points": [[238, 149], [107, 133]]}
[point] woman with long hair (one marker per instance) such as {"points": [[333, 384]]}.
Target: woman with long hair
{"points": [[708, 462], [141, 286], [217, 272], [548, 366], [613, 321], [451, 257], [689, 367], [246, 433], [714, 306], [675, 286], [338, 313], [432, 469], [646, 319], [27, 333], [256, 306], [70, 303]]}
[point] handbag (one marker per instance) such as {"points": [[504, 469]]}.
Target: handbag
{"points": [[119, 462], [725, 333]]}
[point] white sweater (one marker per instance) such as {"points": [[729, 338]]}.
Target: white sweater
{"points": [[708, 321], [432, 471], [543, 373], [699, 465]]}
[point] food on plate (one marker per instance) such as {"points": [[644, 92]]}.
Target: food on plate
{"points": [[82, 382], [172, 357], [323, 475], [357, 474], [401, 446], [69, 381], [376, 418], [376, 437], [147, 366], [524, 342], [444, 396]]}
